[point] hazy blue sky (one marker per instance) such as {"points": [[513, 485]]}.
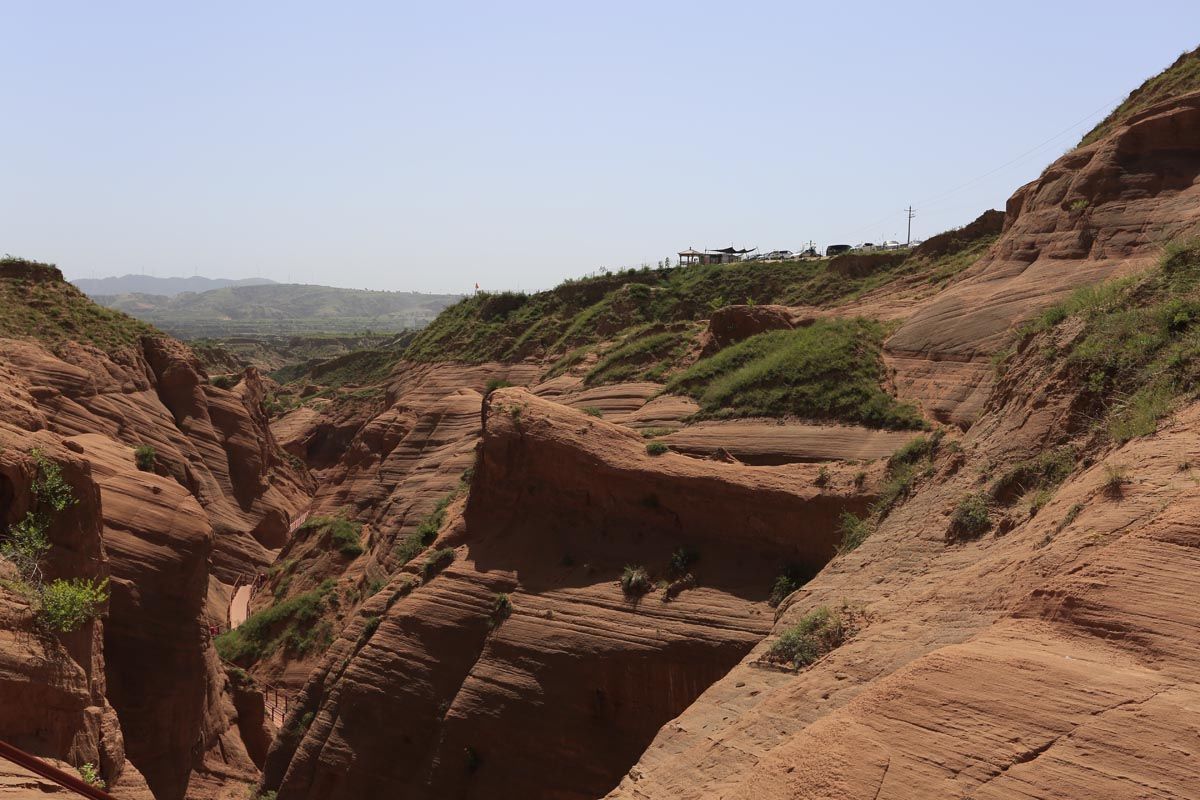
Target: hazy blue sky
{"points": [[428, 146]]}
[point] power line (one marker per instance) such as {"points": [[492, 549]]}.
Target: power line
{"points": [[1024, 155], [1005, 165]]}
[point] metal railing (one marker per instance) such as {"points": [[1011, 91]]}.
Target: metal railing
{"points": [[52, 773]]}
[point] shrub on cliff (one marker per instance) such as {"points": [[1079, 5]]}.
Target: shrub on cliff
{"points": [[26, 544], [855, 531], [145, 457], [635, 581], [502, 609], [971, 516], [426, 533], [49, 486], [817, 633], [66, 605], [642, 355], [436, 562], [791, 579]]}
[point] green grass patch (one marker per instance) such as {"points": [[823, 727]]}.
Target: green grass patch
{"points": [[578, 314], [342, 534], [1139, 350], [294, 624], [855, 531], [641, 356], [656, 448], [1043, 472], [830, 370]]}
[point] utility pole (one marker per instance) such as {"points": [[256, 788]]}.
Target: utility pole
{"points": [[911, 214]]}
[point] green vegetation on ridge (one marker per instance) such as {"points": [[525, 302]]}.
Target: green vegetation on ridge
{"points": [[578, 314], [1139, 350], [1178, 79], [294, 624], [36, 303], [830, 370]]}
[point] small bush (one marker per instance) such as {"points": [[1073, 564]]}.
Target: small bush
{"points": [[656, 448], [592, 411], [345, 535], [49, 486], [635, 581], [971, 516], [145, 457], [26, 544], [437, 561], [91, 775], [370, 625], [791, 579], [822, 478], [817, 633], [917, 449], [854, 532], [502, 608], [1115, 478], [494, 384], [1045, 471], [425, 534], [66, 605], [681, 562], [342, 534]]}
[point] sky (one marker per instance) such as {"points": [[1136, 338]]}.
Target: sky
{"points": [[432, 146]]}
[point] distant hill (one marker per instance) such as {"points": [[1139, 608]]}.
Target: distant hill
{"points": [[169, 287], [280, 308]]}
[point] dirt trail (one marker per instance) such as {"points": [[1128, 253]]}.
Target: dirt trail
{"points": [[239, 607]]}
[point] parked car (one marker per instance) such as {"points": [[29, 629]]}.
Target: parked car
{"points": [[837, 250]]}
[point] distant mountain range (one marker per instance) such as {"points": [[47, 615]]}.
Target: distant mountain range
{"points": [[148, 284], [279, 308]]}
